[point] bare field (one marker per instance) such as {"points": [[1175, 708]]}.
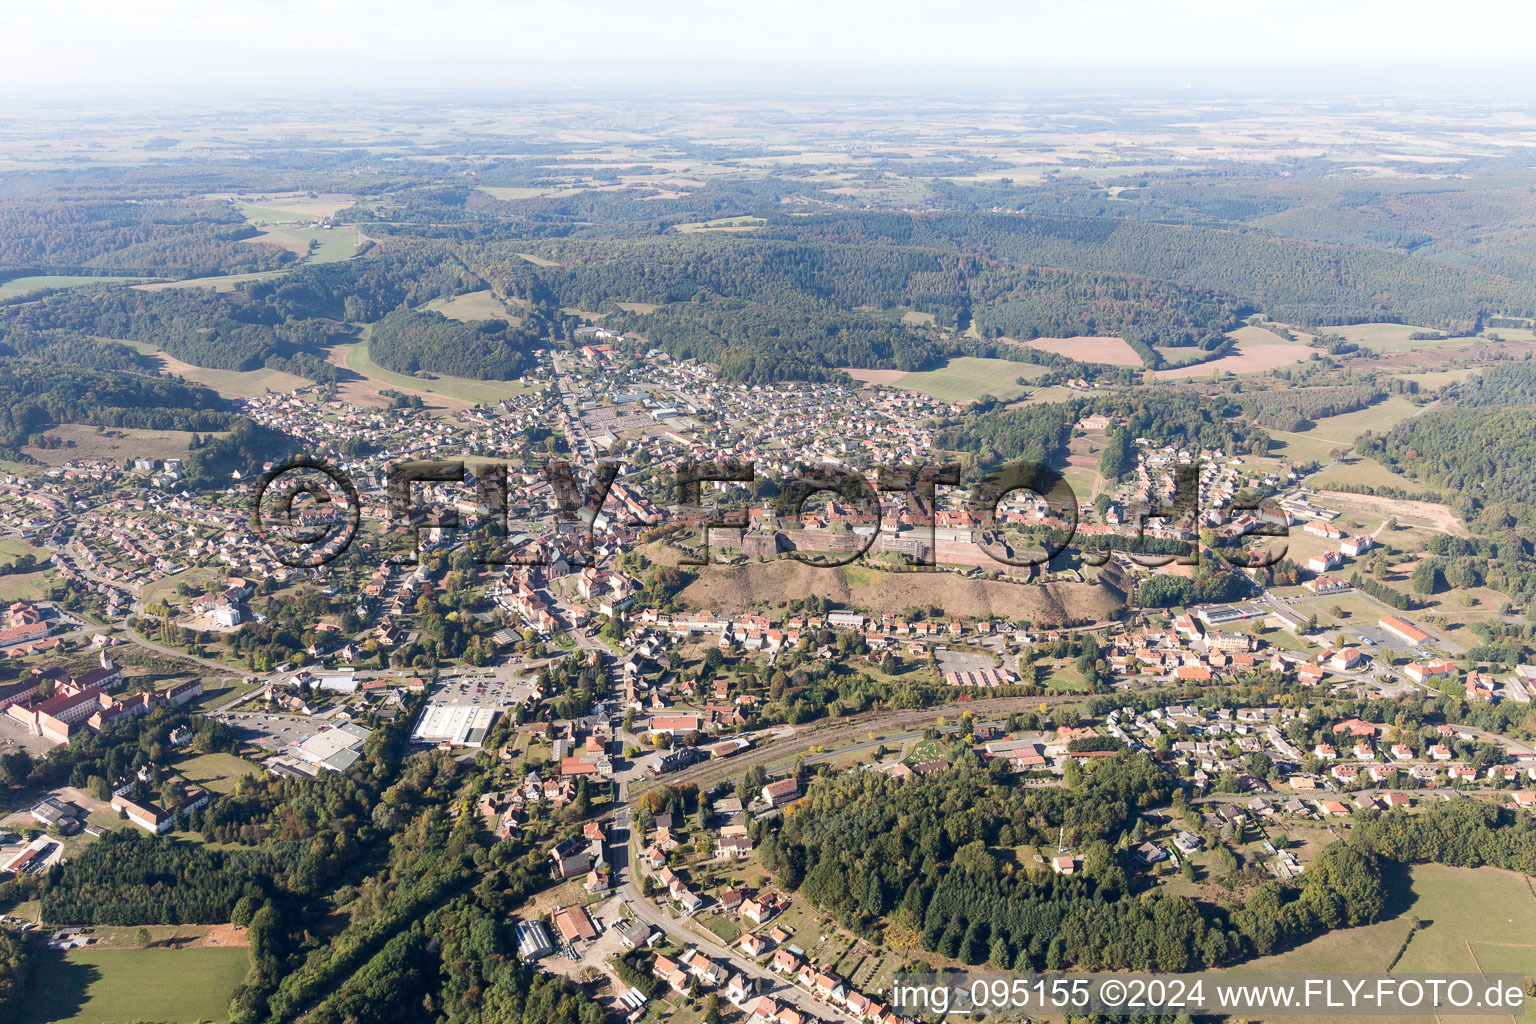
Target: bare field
{"points": [[1438, 517], [1247, 358], [1112, 351], [876, 376], [733, 589]]}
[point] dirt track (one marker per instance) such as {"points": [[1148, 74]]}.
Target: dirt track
{"points": [[1440, 518]]}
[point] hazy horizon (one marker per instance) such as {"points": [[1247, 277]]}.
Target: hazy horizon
{"points": [[282, 48]]}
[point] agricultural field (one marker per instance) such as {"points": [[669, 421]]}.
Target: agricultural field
{"points": [[1471, 920], [120, 443], [460, 392], [1388, 338], [109, 986], [278, 207], [472, 306], [1340, 432], [1360, 471], [228, 383], [314, 244], [1257, 351], [1177, 356], [19, 286], [1434, 380], [219, 283], [517, 192], [967, 378], [1113, 351], [886, 377], [723, 224]]}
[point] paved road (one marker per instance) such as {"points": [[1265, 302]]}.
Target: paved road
{"points": [[171, 652], [685, 931]]}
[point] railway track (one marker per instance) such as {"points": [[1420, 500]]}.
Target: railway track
{"points": [[835, 733]]}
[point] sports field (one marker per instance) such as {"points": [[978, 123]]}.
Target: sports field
{"points": [[216, 772], [967, 378], [111, 986]]}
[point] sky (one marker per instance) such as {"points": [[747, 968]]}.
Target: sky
{"points": [[107, 45]]}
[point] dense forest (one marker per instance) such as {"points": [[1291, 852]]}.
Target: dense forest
{"points": [[1305, 284], [35, 395], [131, 878], [1479, 454], [408, 341], [751, 341], [1295, 409], [179, 238], [799, 297], [945, 859], [15, 971]]}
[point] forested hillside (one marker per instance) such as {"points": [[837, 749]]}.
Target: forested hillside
{"points": [[797, 298], [37, 395], [1292, 281], [179, 238], [1477, 448], [948, 859], [407, 341]]}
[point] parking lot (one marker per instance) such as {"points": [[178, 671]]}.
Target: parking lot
{"points": [[481, 690], [274, 732], [962, 661]]}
